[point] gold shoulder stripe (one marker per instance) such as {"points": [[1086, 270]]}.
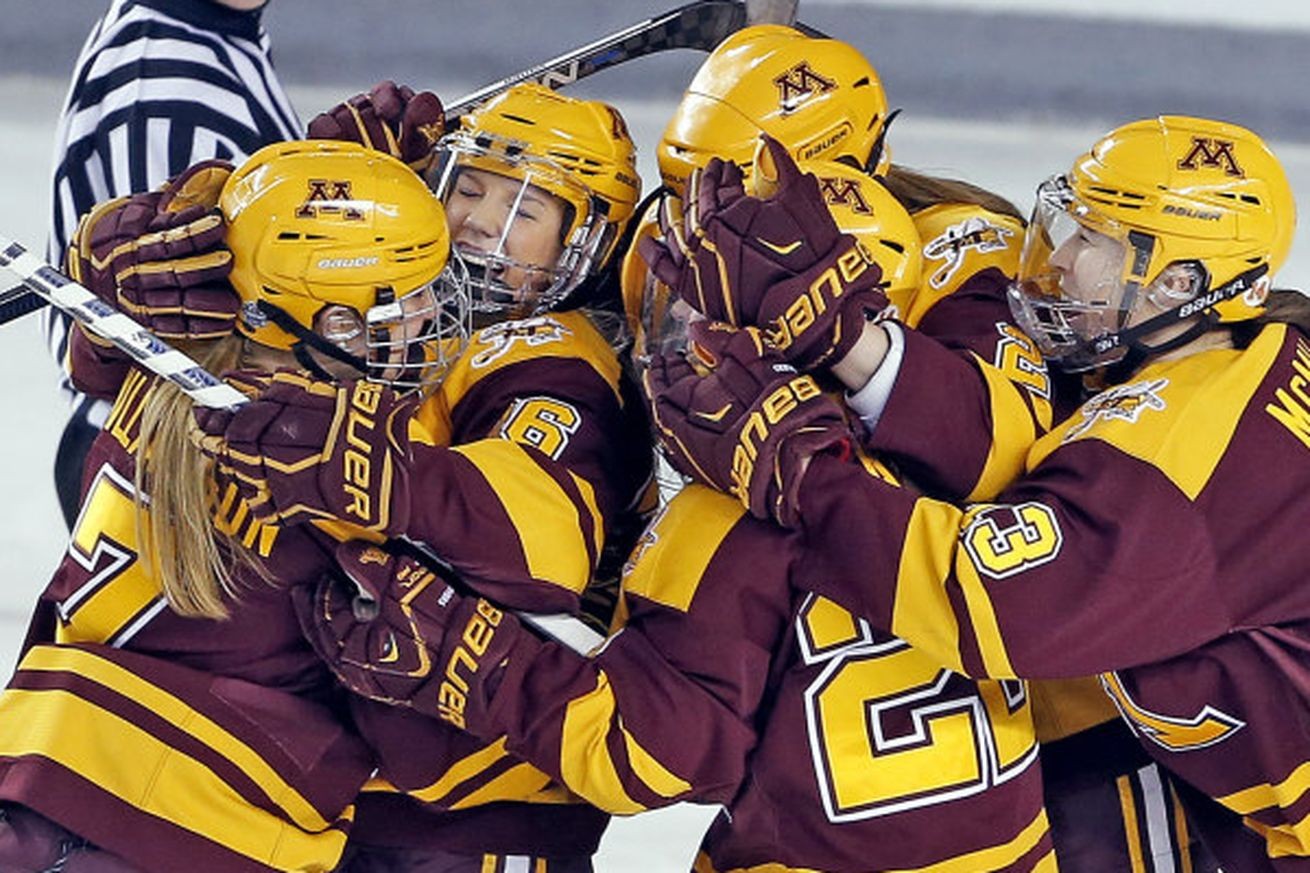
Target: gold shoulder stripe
{"points": [[922, 611], [548, 522], [568, 335], [672, 555], [1179, 416], [585, 761], [522, 782]]}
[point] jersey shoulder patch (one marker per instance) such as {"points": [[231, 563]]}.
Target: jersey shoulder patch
{"points": [[507, 343], [961, 240]]}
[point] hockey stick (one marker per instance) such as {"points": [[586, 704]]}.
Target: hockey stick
{"points": [[51, 286], [700, 25]]}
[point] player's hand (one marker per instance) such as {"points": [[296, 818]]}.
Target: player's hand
{"points": [[779, 263], [740, 418], [304, 449], [160, 257], [390, 118], [393, 630]]}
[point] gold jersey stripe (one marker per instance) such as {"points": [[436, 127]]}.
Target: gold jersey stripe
{"points": [[1132, 834], [585, 761], [589, 500], [672, 556], [1013, 432], [1265, 796], [522, 782], [986, 627], [650, 771], [922, 611], [161, 781], [1283, 841], [176, 712], [547, 520], [459, 772], [1180, 828]]}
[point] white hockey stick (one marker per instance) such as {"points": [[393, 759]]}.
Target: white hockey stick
{"points": [[203, 387], [157, 356]]}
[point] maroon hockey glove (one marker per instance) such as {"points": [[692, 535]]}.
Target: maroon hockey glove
{"points": [[390, 118], [779, 264], [304, 449], [160, 257], [398, 633], [748, 427]]}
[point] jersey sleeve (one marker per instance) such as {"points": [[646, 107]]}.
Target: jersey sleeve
{"points": [[665, 711], [964, 362], [532, 452], [1064, 575]]}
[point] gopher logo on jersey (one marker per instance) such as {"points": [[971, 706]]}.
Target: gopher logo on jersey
{"points": [[1206, 728], [1122, 403], [330, 198], [492, 343], [799, 84], [951, 248], [1216, 154]]}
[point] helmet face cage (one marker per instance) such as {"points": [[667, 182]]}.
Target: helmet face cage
{"points": [[1074, 311], [411, 341], [501, 284]]}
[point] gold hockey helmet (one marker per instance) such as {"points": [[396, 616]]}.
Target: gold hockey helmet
{"points": [[819, 97], [860, 206], [344, 249], [492, 174], [1183, 217]]}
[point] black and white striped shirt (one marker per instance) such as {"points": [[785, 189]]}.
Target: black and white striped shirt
{"points": [[159, 85]]}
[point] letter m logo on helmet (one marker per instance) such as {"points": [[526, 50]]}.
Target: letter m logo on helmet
{"points": [[1214, 153], [329, 196], [798, 83], [844, 192]]}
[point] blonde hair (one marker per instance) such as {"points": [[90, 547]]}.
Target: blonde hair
{"points": [[178, 541], [917, 191]]}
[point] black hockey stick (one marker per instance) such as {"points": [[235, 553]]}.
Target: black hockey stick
{"points": [[48, 285], [700, 25]]}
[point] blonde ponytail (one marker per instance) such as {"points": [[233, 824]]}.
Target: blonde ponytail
{"points": [[175, 501]]}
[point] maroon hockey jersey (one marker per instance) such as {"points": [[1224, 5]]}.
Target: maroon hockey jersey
{"points": [[1153, 539]]}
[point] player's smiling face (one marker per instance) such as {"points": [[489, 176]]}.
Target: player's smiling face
{"points": [[490, 213]]}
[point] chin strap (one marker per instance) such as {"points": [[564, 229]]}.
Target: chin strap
{"points": [[1200, 308], [307, 339]]}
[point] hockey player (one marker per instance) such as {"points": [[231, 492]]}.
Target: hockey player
{"points": [[948, 345], [517, 472], [833, 746], [557, 386], [166, 708], [1118, 551]]}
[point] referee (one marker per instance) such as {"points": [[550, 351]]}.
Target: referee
{"points": [[159, 85]]}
